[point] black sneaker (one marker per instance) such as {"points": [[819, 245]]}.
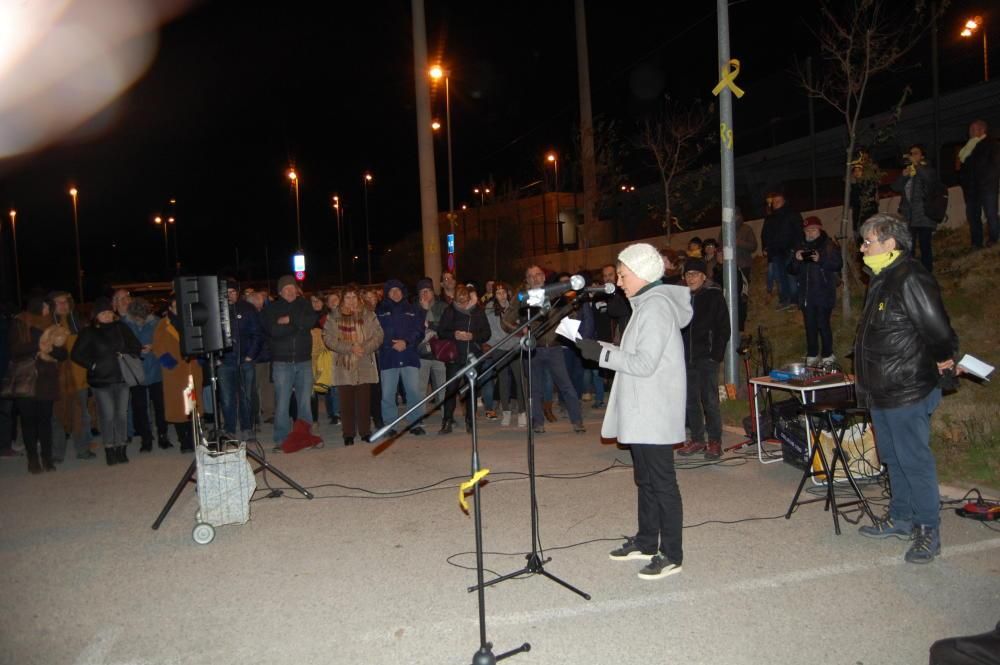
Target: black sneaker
{"points": [[886, 527], [446, 427], [926, 545], [659, 566], [418, 431], [629, 550]]}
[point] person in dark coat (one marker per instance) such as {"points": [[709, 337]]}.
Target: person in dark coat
{"points": [[780, 234], [97, 350], [816, 265], [979, 174], [237, 373], [914, 184], [32, 336], [399, 362], [705, 341], [464, 322]]}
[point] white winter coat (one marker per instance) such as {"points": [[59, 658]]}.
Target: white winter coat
{"points": [[649, 393]]}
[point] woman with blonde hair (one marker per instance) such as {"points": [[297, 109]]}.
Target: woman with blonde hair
{"points": [[353, 334]]}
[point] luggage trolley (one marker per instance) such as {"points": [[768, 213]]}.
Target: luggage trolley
{"points": [[225, 484]]}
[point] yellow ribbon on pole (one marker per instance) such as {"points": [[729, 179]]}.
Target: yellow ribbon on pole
{"points": [[469, 484], [729, 73]]}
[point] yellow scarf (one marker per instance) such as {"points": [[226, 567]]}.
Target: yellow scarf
{"points": [[880, 262]]}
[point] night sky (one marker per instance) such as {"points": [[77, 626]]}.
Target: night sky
{"points": [[238, 92]]}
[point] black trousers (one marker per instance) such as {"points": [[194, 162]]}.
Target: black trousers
{"points": [[36, 425], [661, 514], [141, 395], [185, 436]]}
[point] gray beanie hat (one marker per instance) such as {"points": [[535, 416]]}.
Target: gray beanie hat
{"points": [[644, 260]]}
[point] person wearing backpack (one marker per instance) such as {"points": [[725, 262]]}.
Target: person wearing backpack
{"points": [[920, 200]]}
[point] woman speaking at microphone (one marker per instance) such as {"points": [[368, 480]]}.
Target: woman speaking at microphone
{"points": [[646, 407]]}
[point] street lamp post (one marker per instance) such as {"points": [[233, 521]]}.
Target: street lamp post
{"points": [[172, 220], [340, 248], [17, 264], [74, 192], [970, 28], [294, 177], [166, 242], [551, 157], [437, 73], [365, 179]]}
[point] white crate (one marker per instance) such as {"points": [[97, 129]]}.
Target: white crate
{"points": [[226, 482]]}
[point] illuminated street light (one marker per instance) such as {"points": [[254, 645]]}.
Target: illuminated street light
{"points": [[17, 264], [970, 28], [337, 211], [554, 160], [294, 177], [73, 192], [435, 125], [367, 178], [166, 242], [437, 73]]}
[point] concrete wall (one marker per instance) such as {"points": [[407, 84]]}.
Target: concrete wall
{"points": [[594, 257]]}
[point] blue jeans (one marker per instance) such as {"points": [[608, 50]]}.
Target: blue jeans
{"points": [[551, 358], [235, 395], [390, 378], [332, 400], [593, 376], [903, 437], [975, 206], [574, 367], [788, 286], [112, 409], [288, 377]]}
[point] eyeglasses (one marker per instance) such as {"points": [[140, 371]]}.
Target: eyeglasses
{"points": [[869, 243]]}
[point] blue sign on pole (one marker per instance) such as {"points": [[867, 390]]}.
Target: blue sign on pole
{"points": [[451, 243]]}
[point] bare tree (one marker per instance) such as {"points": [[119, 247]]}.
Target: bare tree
{"points": [[676, 137], [868, 38]]}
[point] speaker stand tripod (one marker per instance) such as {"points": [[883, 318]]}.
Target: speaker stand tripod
{"points": [[216, 440]]}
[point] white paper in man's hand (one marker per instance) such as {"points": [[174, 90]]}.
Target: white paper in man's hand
{"points": [[570, 329], [976, 367]]}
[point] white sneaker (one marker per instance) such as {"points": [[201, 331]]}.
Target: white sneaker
{"points": [[812, 361], [505, 419], [829, 360], [522, 420]]}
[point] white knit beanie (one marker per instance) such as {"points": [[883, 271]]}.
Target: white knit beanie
{"points": [[644, 260]]}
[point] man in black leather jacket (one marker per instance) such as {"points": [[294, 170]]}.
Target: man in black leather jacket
{"points": [[905, 343]]}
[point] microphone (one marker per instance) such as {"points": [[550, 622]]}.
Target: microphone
{"points": [[538, 297], [607, 289]]}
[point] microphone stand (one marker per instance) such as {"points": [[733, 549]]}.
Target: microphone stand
{"points": [[484, 655], [535, 564]]}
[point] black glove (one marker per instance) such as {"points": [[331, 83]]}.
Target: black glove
{"points": [[590, 349]]}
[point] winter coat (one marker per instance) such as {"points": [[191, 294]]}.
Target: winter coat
{"points": [[399, 321], [782, 230], [25, 334], [247, 334], [290, 342], [340, 333], [914, 190], [708, 333], [431, 318], [472, 320], [144, 333], [903, 333], [175, 369], [980, 172], [97, 349], [649, 393], [818, 280]]}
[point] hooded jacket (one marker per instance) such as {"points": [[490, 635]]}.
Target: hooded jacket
{"points": [[399, 320], [903, 333], [708, 333], [818, 280], [649, 394]]}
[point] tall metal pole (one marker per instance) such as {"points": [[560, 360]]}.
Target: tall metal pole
{"points": [[447, 121], [76, 232], [728, 197], [586, 122], [430, 230], [340, 242], [812, 135], [177, 239], [298, 215], [17, 263], [935, 92], [368, 243]]}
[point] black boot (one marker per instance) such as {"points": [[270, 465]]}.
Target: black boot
{"points": [[111, 455], [165, 443], [47, 464], [348, 440], [33, 465], [120, 453]]}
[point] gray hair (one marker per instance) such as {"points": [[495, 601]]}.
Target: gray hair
{"points": [[139, 309], [887, 225]]}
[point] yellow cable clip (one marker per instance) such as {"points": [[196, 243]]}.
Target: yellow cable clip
{"points": [[729, 73], [467, 485]]}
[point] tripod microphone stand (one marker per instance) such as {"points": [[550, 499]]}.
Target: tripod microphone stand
{"points": [[215, 440], [535, 564], [763, 347], [484, 655]]}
